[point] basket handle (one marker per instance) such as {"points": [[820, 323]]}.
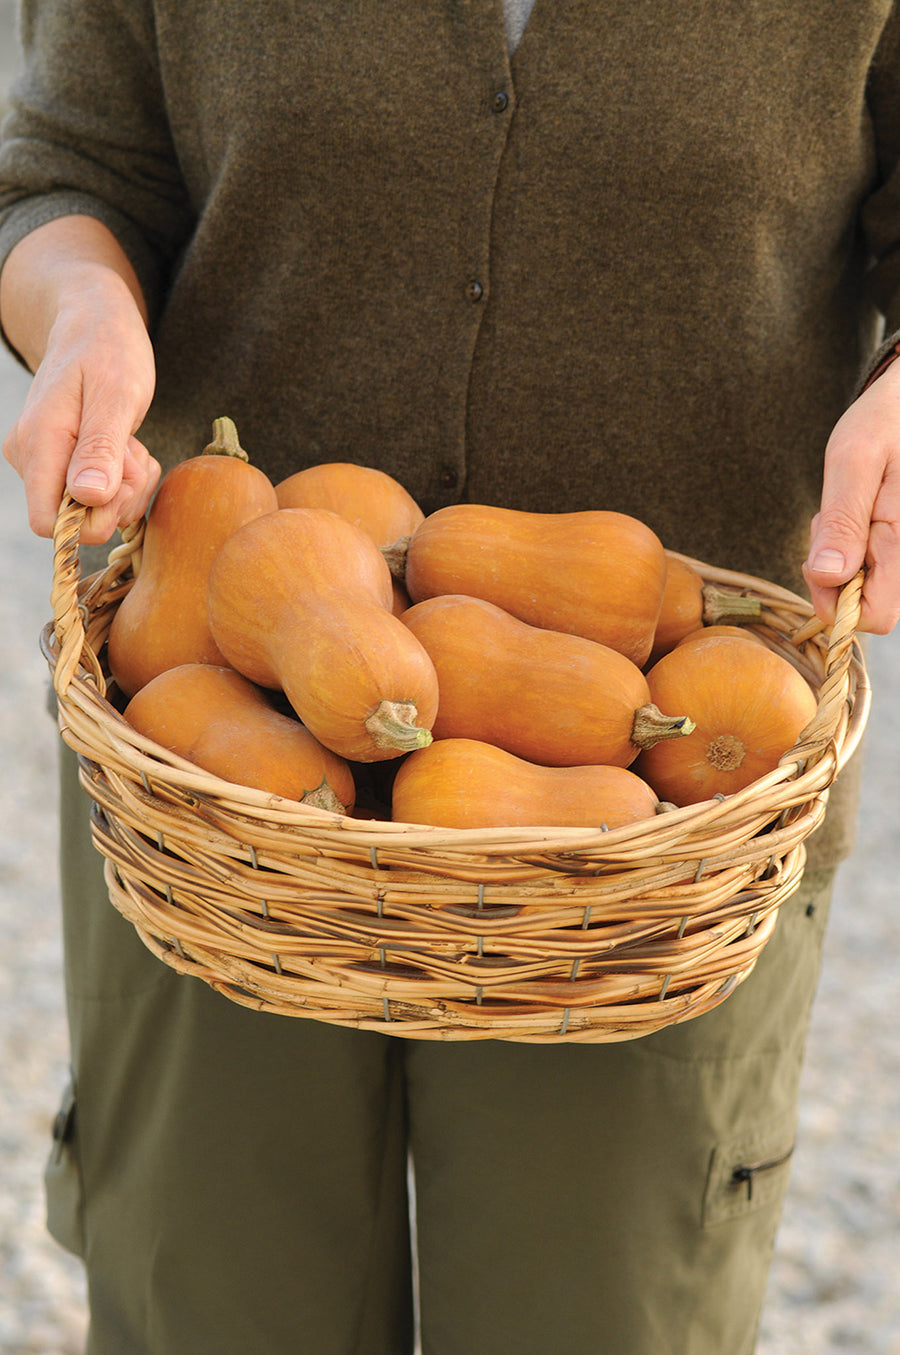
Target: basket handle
{"points": [[834, 691], [70, 609]]}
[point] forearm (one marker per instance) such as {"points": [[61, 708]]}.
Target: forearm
{"points": [[71, 306], [72, 263]]}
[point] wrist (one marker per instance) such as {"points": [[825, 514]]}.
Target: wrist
{"points": [[93, 301], [884, 358], [70, 271]]}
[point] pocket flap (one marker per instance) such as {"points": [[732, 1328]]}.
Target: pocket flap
{"points": [[62, 1178], [748, 1172]]}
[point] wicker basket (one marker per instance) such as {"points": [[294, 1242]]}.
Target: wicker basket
{"points": [[519, 934]]}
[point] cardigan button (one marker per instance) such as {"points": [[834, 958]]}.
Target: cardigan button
{"points": [[500, 101], [449, 478], [474, 291]]}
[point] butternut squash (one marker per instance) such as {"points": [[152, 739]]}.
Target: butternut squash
{"points": [[597, 574], [547, 696], [703, 634], [749, 706], [464, 783], [688, 603], [300, 600], [363, 495], [162, 621], [218, 719]]}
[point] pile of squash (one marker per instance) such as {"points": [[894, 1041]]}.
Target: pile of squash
{"points": [[323, 640]]}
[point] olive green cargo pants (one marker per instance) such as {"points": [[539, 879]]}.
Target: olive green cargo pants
{"points": [[236, 1182]]}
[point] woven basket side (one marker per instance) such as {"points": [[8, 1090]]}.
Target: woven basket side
{"points": [[539, 934]]}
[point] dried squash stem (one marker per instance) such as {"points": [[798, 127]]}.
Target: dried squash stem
{"points": [[651, 726], [722, 608], [225, 441], [392, 724]]}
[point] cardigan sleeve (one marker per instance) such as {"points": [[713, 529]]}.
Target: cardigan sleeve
{"points": [[880, 214], [87, 134]]}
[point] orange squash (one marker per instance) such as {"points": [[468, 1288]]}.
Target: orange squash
{"points": [[368, 497], [593, 573], [221, 721], [463, 783], [401, 600], [547, 696], [689, 603], [365, 496], [162, 621], [703, 634], [749, 706], [300, 600]]}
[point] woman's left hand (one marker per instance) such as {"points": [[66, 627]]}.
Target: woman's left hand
{"points": [[858, 522]]}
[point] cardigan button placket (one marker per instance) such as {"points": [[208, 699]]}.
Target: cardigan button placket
{"points": [[500, 101], [496, 100]]}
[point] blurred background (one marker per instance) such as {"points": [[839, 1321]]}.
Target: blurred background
{"points": [[835, 1283]]}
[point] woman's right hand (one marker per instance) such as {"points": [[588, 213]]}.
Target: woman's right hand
{"points": [[79, 324]]}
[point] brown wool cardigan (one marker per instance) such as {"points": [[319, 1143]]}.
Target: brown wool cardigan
{"points": [[638, 265]]}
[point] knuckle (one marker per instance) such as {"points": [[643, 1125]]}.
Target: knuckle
{"points": [[100, 448], [99, 525], [126, 506], [40, 522], [840, 524], [17, 443]]}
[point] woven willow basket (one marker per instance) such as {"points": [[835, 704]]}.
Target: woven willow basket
{"points": [[537, 934]]}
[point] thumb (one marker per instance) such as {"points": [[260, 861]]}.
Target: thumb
{"points": [[95, 467], [839, 542], [836, 553], [837, 550], [840, 531]]}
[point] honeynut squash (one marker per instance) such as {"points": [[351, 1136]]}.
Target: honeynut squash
{"points": [[219, 720], [162, 621], [594, 573], [547, 696], [300, 600], [749, 706]]}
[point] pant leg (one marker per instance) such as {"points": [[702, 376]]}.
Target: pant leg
{"points": [[591, 1199], [236, 1182]]}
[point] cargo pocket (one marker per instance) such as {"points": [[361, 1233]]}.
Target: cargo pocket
{"points": [[62, 1177], [748, 1173]]}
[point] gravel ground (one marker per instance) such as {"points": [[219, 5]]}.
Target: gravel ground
{"points": [[834, 1286], [41, 1288]]}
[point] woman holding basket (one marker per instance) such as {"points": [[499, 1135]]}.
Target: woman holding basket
{"points": [[588, 256]]}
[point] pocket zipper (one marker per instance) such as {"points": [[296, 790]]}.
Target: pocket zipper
{"points": [[745, 1173]]}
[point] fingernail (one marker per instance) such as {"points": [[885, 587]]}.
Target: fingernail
{"points": [[829, 562], [91, 478]]}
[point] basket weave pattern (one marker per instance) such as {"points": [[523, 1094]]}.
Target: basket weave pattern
{"points": [[530, 934]]}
